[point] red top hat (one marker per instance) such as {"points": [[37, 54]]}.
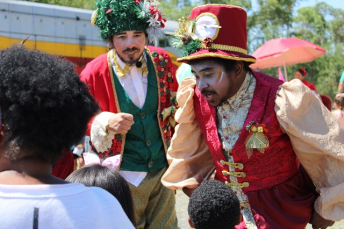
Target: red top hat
{"points": [[221, 32]]}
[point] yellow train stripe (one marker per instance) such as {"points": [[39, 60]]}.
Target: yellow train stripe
{"points": [[65, 49], [60, 49]]}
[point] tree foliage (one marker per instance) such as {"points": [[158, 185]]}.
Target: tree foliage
{"points": [[322, 25]]}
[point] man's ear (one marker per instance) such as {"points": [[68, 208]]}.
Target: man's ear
{"points": [[190, 223], [239, 68]]}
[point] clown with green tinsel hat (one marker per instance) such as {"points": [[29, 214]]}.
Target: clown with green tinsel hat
{"points": [[134, 84], [113, 16]]}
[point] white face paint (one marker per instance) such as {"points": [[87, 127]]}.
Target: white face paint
{"points": [[209, 77]]}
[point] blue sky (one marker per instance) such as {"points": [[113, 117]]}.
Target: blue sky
{"points": [[305, 3], [333, 3]]}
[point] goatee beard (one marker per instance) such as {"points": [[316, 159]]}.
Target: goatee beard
{"points": [[131, 60]]}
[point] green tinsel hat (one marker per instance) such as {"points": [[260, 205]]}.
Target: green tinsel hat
{"points": [[114, 16]]}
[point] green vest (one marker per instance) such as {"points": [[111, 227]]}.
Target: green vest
{"points": [[143, 149]]}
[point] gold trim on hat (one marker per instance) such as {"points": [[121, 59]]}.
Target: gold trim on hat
{"points": [[217, 22], [205, 55], [225, 48]]}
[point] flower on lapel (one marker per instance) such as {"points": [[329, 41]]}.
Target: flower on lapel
{"points": [[256, 138]]}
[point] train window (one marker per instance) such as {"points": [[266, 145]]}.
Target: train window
{"points": [[168, 40], [162, 42], [165, 41]]}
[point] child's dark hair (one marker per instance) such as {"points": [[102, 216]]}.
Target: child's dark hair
{"points": [[109, 179], [339, 101], [214, 205], [303, 71], [45, 107]]}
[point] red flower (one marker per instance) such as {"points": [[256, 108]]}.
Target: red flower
{"points": [[137, 1], [153, 10], [119, 144], [158, 67], [108, 11], [100, 155], [159, 16], [118, 149], [156, 59], [207, 42]]}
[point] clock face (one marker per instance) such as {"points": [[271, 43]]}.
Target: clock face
{"points": [[207, 25]]}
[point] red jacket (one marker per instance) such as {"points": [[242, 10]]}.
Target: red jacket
{"points": [[261, 169], [98, 75]]}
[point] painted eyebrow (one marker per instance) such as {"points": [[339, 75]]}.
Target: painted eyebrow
{"points": [[203, 69]]}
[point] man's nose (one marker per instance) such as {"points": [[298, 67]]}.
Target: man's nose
{"points": [[129, 43], [201, 84]]}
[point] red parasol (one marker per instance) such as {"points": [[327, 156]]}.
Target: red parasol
{"points": [[285, 51]]}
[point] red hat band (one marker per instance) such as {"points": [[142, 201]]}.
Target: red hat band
{"points": [[222, 30]]}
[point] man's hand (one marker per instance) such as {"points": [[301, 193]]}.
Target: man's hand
{"points": [[319, 222], [120, 123]]}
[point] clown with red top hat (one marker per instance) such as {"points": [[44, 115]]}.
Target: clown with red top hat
{"points": [[133, 84], [273, 143]]}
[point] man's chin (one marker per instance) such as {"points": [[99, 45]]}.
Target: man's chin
{"points": [[129, 61]]}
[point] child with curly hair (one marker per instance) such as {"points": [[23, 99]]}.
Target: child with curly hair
{"points": [[214, 205], [45, 109]]}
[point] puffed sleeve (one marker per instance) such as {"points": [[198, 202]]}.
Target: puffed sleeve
{"points": [[189, 158], [318, 141]]}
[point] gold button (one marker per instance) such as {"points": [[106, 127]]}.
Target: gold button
{"points": [[245, 184]]}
